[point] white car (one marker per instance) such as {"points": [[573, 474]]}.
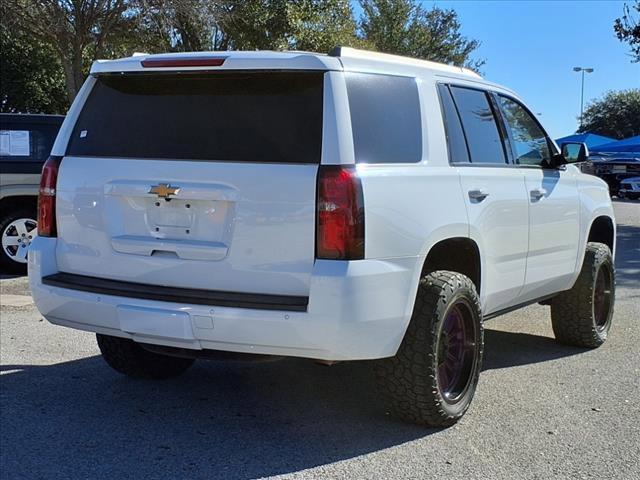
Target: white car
{"points": [[630, 188], [335, 207]]}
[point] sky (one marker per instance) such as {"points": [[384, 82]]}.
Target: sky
{"points": [[532, 46]]}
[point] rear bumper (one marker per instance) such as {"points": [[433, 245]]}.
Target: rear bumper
{"points": [[356, 310]]}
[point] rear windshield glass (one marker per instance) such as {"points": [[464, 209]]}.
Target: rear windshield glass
{"points": [[230, 116]]}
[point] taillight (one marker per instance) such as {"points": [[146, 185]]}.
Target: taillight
{"points": [[47, 198], [340, 214]]}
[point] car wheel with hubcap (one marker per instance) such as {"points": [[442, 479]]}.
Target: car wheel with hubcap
{"points": [[432, 378], [17, 230]]}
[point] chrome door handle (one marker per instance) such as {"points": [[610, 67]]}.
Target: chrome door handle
{"points": [[537, 193], [478, 194]]}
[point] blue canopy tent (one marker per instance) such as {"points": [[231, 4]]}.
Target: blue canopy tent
{"points": [[631, 144], [590, 139]]}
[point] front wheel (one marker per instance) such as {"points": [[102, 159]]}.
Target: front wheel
{"points": [[433, 377], [582, 316]]}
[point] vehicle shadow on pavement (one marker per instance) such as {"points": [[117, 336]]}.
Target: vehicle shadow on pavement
{"points": [[231, 420], [628, 256], [511, 349], [235, 420], [8, 275]]}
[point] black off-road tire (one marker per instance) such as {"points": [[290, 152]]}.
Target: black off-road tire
{"points": [[409, 380], [6, 217], [129, 358], [572, 312]]}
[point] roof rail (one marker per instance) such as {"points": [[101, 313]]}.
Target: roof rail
{"points": [[348, 52]]}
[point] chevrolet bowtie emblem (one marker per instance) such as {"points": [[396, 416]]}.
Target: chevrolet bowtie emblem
{"points": [[164, 190]]}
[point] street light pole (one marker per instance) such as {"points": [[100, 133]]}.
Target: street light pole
{"points": [[583, 70]]}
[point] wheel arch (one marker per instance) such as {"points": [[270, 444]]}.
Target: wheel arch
{"points": [[13, 202], [458, 254], [442, 253], [602, 230]]}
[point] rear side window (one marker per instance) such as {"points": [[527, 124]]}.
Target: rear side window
{"points": [[26, 143], [480, 127], [456, 143], [385, 118], [227, 116]]}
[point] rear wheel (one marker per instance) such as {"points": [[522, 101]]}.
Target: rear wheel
{"points": [[18, 228], [432, 378], [582, 316], [129, 358]]}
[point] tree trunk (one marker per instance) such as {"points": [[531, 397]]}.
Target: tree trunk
{"points": [[69, 77], [78, 74]]}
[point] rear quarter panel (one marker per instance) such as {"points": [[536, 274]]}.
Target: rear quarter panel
{"points": [[411, 207]]}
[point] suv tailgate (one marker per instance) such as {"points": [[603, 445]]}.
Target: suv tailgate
{"points": [[201, 181]]}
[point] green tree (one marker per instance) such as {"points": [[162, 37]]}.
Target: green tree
{"points": [[616, 114], [315, 25], [627, 29], [31, 77], [404, 27], [80, 31], [321, 25], [63, 37], [177, 25]]}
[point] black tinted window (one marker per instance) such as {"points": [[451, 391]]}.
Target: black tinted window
{"points": [[530, 141], [479, 123], [385, 118], [24, 142], [252, 117], [455, 136]]}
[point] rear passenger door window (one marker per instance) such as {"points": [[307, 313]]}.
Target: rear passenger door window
{"points": [[479, 125], [385, 118], [529, 140], [456, 143]]}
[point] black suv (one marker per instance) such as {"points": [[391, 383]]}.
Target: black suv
{"points": [[25, 143]]}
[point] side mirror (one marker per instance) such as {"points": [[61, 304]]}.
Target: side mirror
{"points": [[574, 152]]}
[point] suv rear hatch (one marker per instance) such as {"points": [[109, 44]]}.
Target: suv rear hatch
{"points": [[194, 180]]}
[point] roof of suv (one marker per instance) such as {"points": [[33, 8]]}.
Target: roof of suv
{"points": [[273, 60]]}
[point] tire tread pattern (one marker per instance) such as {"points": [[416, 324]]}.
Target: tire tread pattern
{"points": [[572, 311], [408, 381]]}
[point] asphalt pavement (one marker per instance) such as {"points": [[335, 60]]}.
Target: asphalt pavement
{"points": [[542, 410]]}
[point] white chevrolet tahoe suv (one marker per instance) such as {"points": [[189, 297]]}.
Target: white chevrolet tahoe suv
{"points": [[336, 207]]}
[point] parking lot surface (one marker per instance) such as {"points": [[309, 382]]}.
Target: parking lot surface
{"points": [[542, 410]]}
